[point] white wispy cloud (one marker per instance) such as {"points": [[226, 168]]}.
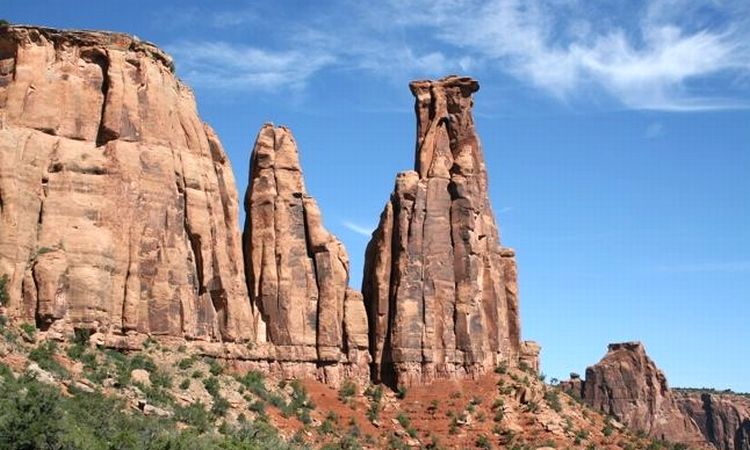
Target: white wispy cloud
{"points": [[556, 47], [359, 229], [231, 66], [650, 55]]}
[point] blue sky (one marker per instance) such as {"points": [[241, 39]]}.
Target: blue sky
{"points": [[617, 136]]}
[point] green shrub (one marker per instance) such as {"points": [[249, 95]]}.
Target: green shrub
{"points": [[220, 406], [553, 400], [161, 379], [29, 330], [375, 394], [401, 392], [44, 355], [328, 426], [194, 415], [347, 391], [186, 363], [255, 383], [185, 384], [81, 336], [4, 296], [483, 442], [212, 386], [215, 368]]}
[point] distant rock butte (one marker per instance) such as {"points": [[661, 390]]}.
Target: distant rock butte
{"points": [[627, 385], [441, 292], [297, 272], [118, 204]]}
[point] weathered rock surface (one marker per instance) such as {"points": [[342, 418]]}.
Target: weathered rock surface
{"points": [[627, 385], [441, 291], [298, 272], [723, 418], [118, 208]]}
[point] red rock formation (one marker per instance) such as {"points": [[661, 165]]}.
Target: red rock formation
{"points": [[627, 385], [440, 290], [118, 208], [298, 272], [723, 418]]}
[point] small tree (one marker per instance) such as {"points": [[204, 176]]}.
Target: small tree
{"points": [[4, 297], [4, 23]]}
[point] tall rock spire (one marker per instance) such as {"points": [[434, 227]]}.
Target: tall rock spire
{"points": [[297, 272], [440, 290]]}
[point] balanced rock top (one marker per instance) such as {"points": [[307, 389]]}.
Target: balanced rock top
{"points": [[441, 292], [118, 207]]}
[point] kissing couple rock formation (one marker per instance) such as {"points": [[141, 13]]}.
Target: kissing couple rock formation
{"points": [[119, 215]]}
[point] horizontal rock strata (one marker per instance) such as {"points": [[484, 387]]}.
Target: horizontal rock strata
{"points": [[441, 291]]}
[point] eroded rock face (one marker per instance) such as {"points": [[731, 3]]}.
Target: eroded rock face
{"points": [[627, 385], [297, 271], [724, 419], [441, 291], [118, 207]]}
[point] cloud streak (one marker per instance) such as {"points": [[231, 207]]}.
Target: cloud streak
{"points": [[653, 55], [359, 229]]}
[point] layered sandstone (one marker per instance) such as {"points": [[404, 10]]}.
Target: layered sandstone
{"points": [[118, 207], [441, 291], [298, 272], [627, 385], [723, 418]]}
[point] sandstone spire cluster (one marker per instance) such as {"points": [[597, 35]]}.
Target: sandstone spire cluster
{"points": [[120, 215], [441, 291]]}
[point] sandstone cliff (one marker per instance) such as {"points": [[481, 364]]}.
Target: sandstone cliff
{"points": [[724, 419], [297, 272], [627, 385], [441, 292], [118, 208]]}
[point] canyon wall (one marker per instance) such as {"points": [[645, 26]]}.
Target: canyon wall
{"points": [[723, 418], [118, 205], [441, 292]]}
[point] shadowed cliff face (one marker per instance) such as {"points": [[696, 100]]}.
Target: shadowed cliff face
{"points": [[440, 290], [723, 418], [118, 205]]}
